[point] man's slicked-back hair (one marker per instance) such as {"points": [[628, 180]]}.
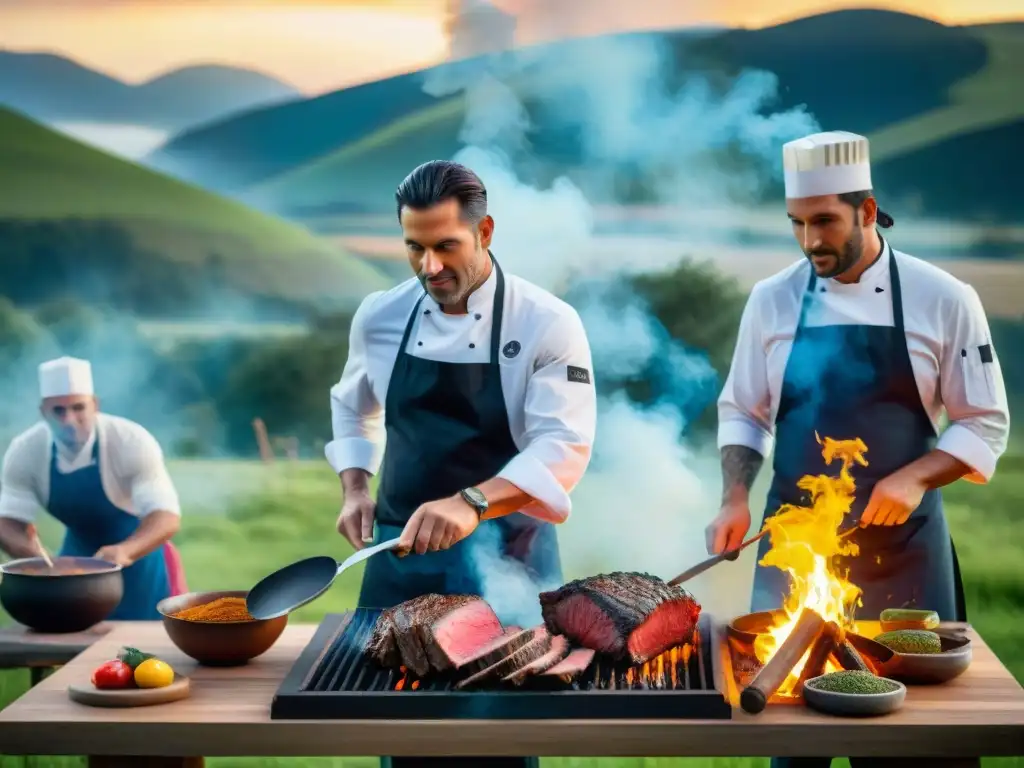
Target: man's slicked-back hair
{"points": [[440, 180]]}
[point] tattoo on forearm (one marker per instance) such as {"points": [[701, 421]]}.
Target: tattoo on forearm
{"points": [[740, 466]]}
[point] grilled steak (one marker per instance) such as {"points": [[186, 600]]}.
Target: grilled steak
{"points": [[495, 651], [533, 650], [572, 666], [459, 633], [431, 629], [557, 651], [632, 615]]}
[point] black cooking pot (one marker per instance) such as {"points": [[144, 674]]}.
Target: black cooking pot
{"points": [[75, 594]]}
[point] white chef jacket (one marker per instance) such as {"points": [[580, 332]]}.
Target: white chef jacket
{"points": [[552, 417], [132, 469], [941, 316]]}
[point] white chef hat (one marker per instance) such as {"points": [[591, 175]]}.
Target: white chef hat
{"points": [[829, 163], [65, 376]]}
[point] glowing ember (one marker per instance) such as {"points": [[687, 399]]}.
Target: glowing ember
{"points": [[804, 542], [664, 671]]}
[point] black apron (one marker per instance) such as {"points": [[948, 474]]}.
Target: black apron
{"points": [[849, 381], [447, 429]]}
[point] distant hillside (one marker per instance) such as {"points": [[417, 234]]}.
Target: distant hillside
{"points": [[907, 82], [236, 153], [52, 89], [103, 224]]}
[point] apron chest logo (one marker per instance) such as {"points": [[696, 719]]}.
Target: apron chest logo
{"points": [[579, 375], [511, 349]]}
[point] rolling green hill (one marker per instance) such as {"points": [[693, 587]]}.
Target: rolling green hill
{"points": [[914, 86], [56, 193]]}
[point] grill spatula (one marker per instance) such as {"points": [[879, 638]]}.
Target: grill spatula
{"points": [[299, 583]]}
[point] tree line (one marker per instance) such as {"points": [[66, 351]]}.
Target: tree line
{"points": [[200, 396]]}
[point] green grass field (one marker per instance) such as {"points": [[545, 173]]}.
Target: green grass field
{"points": [[268, 518], [48, 176]]}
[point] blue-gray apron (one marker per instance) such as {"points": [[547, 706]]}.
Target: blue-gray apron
{"points": [[447, 429], [92, 521], [849, 381]]}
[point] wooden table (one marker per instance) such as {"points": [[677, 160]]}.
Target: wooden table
{"points": [[21, 647], [228, 714]]}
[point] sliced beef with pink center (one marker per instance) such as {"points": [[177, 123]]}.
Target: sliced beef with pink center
{"points": [[410, 616], [494, 651], [557, 651], [533, 650], [572, 666], [459, 633]]}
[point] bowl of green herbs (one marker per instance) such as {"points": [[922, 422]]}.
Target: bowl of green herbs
{"points": [[854, 693]]}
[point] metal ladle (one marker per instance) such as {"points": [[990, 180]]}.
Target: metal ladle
{"points": [[295, 585]]}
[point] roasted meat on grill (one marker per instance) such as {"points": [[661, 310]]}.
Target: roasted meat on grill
{"points": [[572, 666], [526, 654], [433, 632], [557, 651], [625, 615]]}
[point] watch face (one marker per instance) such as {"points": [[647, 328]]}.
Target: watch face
{"points": [[476, 497]]}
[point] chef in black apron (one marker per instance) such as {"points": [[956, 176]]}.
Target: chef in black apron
{"points": [[847, 377], [470, 439]]}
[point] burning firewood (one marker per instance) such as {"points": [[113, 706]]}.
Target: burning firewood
{"points": [[808, 627], [847, 657], [817, 659]]}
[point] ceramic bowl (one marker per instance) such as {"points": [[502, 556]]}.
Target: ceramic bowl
{"points": [[218, 643], [854, 704], [75, 594]]}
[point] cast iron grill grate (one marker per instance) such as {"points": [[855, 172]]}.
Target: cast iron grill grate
{"points": [[333, 679]]}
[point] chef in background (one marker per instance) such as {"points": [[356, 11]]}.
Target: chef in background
{"points": [[104, 478], [859, 340]]}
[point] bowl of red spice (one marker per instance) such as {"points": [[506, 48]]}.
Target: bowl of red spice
{"points": [[215, 629]]}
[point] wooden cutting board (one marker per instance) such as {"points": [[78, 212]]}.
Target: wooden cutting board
{"points": [[92, 696]]}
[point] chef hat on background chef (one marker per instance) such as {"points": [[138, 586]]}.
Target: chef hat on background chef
{"points": [[65, 376], [830, 163]]}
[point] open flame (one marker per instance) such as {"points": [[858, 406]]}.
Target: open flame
{"points": [[804, 543]]}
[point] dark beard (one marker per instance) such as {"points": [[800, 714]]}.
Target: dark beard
{"points": [[846, 258]]}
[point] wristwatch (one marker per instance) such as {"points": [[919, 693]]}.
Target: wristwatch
{"points": [[476, 499]]}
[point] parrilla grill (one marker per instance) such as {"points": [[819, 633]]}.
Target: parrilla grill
{"points": [[333, 679]]}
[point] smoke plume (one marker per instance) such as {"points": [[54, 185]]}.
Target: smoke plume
{"points": [[647, 496]]}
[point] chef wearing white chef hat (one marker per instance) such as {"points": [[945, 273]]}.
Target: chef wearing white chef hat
{"points": [[104, 478], [858, 340]]}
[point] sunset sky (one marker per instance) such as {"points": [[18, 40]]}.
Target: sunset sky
{"points": [[319, 45]]}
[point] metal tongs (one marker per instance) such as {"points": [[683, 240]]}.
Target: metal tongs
{"points": [[730, 555]]}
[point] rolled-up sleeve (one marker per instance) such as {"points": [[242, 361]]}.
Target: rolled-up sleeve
{"points": [[560, 421], [151, 486], [744, 406], [355, 412], [18, 500], [973, 392]]}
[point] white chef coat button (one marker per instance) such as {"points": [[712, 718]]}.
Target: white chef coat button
{"points": [[419, 343], [472, 346], [477, 315], [823, 289], [879, 290], [426, 312]]}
